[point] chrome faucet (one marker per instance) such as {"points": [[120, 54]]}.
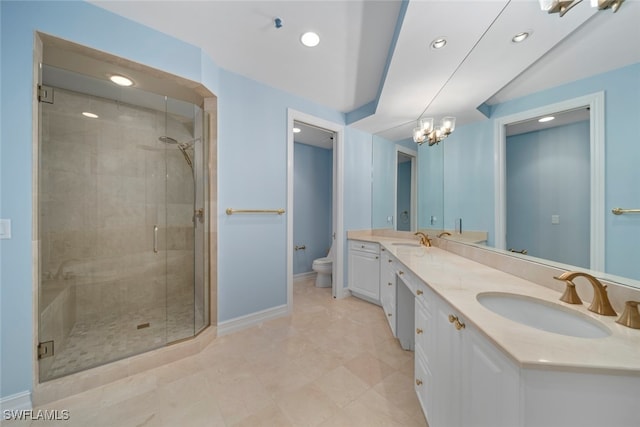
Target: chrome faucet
{"points": [[600, 303], [424, 239]]}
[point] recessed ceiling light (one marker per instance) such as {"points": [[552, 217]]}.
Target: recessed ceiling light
{"points": [[121, 80], [296, 130], [438, 43], [546, 119], [310, 39], [520, 37], [90, 115]]}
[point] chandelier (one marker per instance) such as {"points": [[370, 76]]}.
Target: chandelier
{"points": [[426, 132], [563, 6]]}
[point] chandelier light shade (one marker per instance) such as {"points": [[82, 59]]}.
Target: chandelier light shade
{"points": [[426, 132], [563, 6]]}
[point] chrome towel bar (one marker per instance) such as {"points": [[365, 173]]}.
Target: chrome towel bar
{"points": [[231, 211]]}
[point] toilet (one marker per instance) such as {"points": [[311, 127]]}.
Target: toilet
{"points": [[324, 267]]}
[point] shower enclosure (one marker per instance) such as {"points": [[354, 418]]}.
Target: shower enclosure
{"points": [[122, 183]]}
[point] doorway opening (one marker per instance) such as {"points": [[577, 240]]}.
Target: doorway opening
{"points": [[406, 189], [593, 106], [314, 199], [548, 187], [312, 203]]}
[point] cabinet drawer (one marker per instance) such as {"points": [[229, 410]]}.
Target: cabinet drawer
{"points": [[359, 245], [424, 296]]}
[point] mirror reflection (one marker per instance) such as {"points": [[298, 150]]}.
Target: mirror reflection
{"points": [[548, 187], [547, 206], [395, 186]]}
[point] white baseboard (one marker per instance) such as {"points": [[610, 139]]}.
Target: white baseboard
{"points": [[302, 276], [16, 402], [253, 319]]}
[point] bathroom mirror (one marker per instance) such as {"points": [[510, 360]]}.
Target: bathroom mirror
{"points": [[397, 183], [467, 168], [478, 190]]}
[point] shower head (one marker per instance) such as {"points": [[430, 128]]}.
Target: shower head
{"points": [[182, 146], [167, 140]]}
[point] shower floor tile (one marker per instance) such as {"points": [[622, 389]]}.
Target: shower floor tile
{"points": [[100, 341]]}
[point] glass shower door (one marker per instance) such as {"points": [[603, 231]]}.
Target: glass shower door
{"points": [[102, 231]]}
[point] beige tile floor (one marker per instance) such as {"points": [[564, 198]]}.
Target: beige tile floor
{"points": [[331, 363]]}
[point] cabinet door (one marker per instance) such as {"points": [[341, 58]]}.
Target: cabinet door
{"points": [[445, 368], [489, 384], [364, 274], [424, 386]]}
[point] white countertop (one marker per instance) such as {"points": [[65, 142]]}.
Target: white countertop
{"points": [[459, 280]]}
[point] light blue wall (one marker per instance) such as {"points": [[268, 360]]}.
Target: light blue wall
{"points": [[251, 170], [357, 184], [403, 193], [383, 169], [430, 187], [548, 174], [468, 178], [252, 173], [469, 166], [312, 204]]}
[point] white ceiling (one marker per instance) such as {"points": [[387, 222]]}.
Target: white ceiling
{"points": [[480, 65], [560, 119], [312, 135]]}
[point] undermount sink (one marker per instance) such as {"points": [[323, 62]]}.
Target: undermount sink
{"points": [[415, 245], [543, 315]]}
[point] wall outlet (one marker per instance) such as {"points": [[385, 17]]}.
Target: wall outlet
{"points": [[555, 219], [5, 228]]}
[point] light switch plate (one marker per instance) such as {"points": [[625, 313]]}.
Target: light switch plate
{"points": [[5, 228], [555, 219]]}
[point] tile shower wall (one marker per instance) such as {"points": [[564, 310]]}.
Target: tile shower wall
{"points": [[104, 184]]}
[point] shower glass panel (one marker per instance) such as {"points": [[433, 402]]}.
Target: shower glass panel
{"points": [[117, 223]]}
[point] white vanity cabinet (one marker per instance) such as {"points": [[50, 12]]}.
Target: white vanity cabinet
{"points": [[364, 270], [464, 379], [388, 287], [460, 379]]}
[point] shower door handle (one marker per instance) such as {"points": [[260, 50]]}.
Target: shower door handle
{"points": [[155, 239]]}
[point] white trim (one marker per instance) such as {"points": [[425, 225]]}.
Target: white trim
{"points": [[243, 322], [338, 196], [16, 402], [595, 102], [303, 276], [414, 187]]}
